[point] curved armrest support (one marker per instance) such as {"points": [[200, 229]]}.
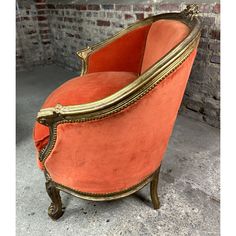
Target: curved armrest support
{"points": [[83, 55], [138, 88]]}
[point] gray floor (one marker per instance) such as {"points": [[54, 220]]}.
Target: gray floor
{"points": [[189, 186]]}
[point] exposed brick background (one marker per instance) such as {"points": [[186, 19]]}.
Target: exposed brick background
{"points": [[52, 32], [33, 37]]}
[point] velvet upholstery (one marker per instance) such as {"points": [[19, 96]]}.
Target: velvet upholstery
{"points": [[163, 36], [117, 152], [88, 88], [123, 54]]}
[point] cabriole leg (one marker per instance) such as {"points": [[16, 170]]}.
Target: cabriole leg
{"points": [[55, 209], [153, 190]]}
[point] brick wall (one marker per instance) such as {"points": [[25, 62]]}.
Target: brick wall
{"points": [[33, 44], [74, 26]]}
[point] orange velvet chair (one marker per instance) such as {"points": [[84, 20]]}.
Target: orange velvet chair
{"points": [[102, 136]]}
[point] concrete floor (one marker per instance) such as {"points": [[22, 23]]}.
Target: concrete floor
{"points": [[189, 187]]}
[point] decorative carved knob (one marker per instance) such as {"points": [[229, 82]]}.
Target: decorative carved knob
{"points": [[58, 108], [191, 11], [84, 53]]}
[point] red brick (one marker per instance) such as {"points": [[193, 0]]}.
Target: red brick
{"points": [[215, 34], [42, 18], [142, 7], [216, 8], [44, 36], [31, 32], [81, 7], [139, 16], [46, 42], [68, 19], [103, 23], [44, 31], [41, 6], [128, 16], [25, 18], [94, 7], [40, 1], [51, 6]]}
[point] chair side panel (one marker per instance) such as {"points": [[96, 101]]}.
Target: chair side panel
{"points": [[118, 152]]}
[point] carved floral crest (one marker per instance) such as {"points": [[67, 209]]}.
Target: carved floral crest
{"points": [[191, 11]]}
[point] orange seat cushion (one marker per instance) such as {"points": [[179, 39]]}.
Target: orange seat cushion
{"points": [[84, 89]]}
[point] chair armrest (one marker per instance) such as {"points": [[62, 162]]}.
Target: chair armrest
{"points": [[138, 88], [122, 98], [114, 54], [83, 55]]}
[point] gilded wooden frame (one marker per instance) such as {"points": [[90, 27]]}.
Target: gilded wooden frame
{"points": [[118, 101]]}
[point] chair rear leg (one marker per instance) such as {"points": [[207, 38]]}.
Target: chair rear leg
{"points": [[153, 190], [55, 209]]}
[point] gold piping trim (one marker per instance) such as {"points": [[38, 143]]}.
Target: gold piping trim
{"points": [[123, 98], [124, 104], [86, 109], [131, 93], [105, 196]]}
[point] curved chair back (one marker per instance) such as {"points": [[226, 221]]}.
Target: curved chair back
{"points": [[128, 132]]}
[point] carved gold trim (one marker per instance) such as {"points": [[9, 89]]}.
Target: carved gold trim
{"points": [[108, 104], [83, 54], [59, 114], [107, 196], [128, 95]]}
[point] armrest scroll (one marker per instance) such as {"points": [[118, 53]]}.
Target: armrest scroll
{"points": [[83, 55]]}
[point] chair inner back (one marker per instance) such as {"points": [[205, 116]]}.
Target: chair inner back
{"points": [[163, 36]]}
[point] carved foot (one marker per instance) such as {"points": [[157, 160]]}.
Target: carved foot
{"points": [[55, 210], [153, 190]]}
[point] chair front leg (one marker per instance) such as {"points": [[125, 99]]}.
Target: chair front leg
{"points": [[153, 189], [55, 209]]}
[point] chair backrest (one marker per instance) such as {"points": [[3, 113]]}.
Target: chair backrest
{"points": [[139, 49], [163, 36], [123, 54]]}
